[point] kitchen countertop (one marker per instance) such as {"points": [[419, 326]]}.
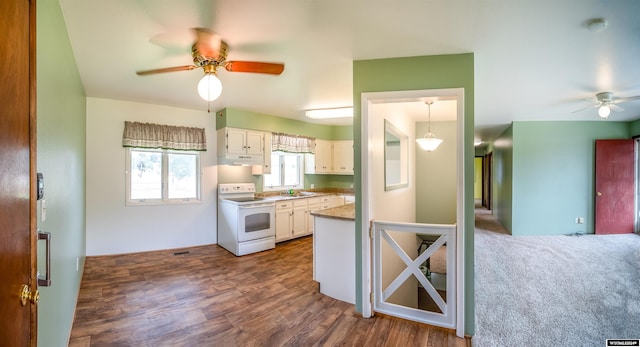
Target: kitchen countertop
{"points": [[345, 212], [297, 195], [289, 197]]}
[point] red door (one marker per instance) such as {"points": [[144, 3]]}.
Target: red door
{"points": [[615, 187]]}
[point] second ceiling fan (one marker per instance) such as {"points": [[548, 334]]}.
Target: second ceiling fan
{"points": [[605, 102], [209, 52]]}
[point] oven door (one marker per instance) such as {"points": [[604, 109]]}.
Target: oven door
{"points": [[256, 221]]}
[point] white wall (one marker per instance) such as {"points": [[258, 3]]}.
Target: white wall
{"points": [[397, 205], [114, 228], [394, 205]]}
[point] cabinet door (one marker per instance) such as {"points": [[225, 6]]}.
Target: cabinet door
{"points": [[324, 156], [283, 224], [312, 208], [343, 157], [255, 142], [266, 168], [236, 141], [299, 221]]}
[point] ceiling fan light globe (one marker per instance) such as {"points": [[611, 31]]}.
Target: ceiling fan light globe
{"points": [[209, 87], [604, 111]]}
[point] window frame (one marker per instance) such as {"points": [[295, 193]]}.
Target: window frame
{"points": [[280, 162], [164, 200]]}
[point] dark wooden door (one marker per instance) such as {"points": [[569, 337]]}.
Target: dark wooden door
{"points": [[615, 187], [17, 172]]}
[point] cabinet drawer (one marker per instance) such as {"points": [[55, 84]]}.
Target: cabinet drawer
{"points": [[314, 207], [299, 202], [325, 198], [313, 201], [283, 205]]}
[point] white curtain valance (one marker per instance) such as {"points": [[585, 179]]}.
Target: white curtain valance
{"points": [[148, 135], [292, 143]]}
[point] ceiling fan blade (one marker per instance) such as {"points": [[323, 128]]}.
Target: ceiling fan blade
{"points": [[584, 109], [615, 107], [207, 42], [254, 66], [621, 100], [166, 69]]}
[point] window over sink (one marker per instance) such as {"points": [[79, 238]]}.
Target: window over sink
{"points": [[286, 172]]}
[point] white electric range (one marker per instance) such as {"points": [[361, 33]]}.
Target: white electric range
{"points": [[246, 224]]}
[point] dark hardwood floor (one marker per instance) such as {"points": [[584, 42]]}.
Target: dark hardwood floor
{"points": [[209, 297]]}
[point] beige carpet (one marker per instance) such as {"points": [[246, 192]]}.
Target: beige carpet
{"points": [[554, 290]]}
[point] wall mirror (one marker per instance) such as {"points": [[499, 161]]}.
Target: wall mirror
{"points": [[396, 153]]}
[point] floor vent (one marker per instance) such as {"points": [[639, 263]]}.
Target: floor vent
{"points": [[181, 253]]}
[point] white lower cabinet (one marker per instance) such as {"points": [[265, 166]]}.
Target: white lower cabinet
{"points": [[313, 206], [294, 219], [300, 215], [284, 216]]}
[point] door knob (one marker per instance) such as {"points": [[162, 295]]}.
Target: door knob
{"points": [[27, 295], [598, 194]]}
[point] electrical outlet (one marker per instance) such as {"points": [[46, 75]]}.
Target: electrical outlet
{"points": [[580, 220]]}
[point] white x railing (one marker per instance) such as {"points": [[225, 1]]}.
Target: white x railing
{"points": [[440, 235]]}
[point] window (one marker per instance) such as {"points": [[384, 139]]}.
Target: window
{"points": [[158, 176], [286, 171]]}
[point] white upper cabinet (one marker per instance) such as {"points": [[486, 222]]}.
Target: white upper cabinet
{"points": [[331, 157], [240, 141], [240, 146], [343, 157], [265, 168], [321, 162]]}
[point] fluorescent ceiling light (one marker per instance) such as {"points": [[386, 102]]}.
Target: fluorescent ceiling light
{"points": [[323, 113]]}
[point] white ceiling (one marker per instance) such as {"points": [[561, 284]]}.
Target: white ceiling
{"points": [[534, 59]]}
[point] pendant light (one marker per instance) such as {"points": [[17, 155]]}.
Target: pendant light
{"points": [[429, 142]]}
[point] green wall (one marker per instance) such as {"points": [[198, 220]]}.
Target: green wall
{"points": [[477, 178], [553, 174], [436, 175], [502, 171], [416, 73], [61, 158], [634, 128], [237, 118]]}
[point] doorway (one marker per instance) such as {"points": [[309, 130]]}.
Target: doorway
{"points": [[487, 165], [379, 204]]}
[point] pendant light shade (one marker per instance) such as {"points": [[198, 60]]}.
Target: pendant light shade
{"points": [[429, 142], [209, 87]]}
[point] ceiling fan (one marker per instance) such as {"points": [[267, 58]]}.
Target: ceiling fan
{"points": [[209, 52], [605, 102]]}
